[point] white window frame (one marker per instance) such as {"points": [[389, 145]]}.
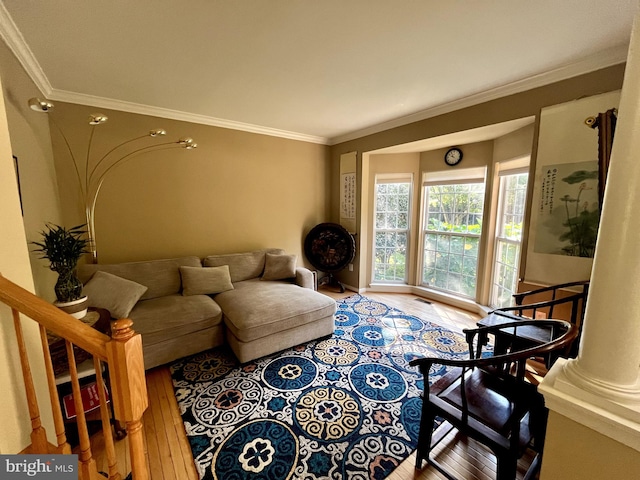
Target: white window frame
{"points": [[512, 168], [387, 179], [455, 177]]}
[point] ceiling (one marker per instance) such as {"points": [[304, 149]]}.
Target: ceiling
{"points": [[324, 71]]}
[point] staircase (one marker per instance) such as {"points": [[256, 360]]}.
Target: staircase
{"points": [[121, 353]]}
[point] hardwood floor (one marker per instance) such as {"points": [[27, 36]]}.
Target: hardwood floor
{"points": [[169, 453]]}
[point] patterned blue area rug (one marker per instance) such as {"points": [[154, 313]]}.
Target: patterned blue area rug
{"points": [[346, 407]]}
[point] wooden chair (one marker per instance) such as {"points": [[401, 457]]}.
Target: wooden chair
{"points": [[577, 300], [546, 300], [487, 398]]}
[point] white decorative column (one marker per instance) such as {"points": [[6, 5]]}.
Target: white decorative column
{"points": [[601, 388]]}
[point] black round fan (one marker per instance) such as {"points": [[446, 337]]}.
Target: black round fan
{"points": [[329, 247]]}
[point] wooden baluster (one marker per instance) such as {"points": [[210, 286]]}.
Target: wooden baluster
{"points": [[106, 423], [87, 469], [63, 445], [39, 442], [129, 390]]}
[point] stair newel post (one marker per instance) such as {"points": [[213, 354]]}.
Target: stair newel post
{"points": [[129, 389], [39, 441]]}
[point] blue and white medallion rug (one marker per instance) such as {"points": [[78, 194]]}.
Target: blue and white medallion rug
{"points": [[346, 407]]}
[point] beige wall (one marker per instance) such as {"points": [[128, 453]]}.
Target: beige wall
{"points": [[237, 191], [514, 145], [575, 452], [15, 266], [512, 107], [478, 154], [30, 142]]}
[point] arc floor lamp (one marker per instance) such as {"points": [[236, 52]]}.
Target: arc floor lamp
{"points": [[93, 172]]}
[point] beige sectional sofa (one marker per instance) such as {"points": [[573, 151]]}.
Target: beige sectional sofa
{"points": [[259, 301]]}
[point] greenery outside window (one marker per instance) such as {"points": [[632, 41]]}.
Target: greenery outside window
{"points": [[392, 218], [453, 226], [511, 208]]}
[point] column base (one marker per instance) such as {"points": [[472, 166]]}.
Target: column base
{"points": [[611, 412], [627, 395]]}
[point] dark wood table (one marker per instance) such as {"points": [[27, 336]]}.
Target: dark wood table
{"points": [[527, 336]]}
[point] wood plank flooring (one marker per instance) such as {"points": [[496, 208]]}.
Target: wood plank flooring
{"points": [[169, 454]]}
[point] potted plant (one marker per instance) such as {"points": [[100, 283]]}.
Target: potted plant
{"points": [[63, 248]]}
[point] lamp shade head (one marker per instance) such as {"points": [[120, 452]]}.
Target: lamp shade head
{"points": [[97, 118], [40, 105]]}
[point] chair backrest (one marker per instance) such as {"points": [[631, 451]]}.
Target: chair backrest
{"points": [[511, 363], [546, 299], [553, 297]]}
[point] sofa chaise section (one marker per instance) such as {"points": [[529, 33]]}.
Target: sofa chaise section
{"points": [[264, 317]]}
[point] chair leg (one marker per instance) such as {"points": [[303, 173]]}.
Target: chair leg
{"points": [[424, 437]]}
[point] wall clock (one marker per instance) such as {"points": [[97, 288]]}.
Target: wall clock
{"points": [[329, 247], [453, 156]]}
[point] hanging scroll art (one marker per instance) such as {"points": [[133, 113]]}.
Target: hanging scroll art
{"points": [[348, 191], [566, 204], [568, 209]]}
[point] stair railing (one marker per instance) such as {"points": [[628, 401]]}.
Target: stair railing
{"points": [[122, 352]]}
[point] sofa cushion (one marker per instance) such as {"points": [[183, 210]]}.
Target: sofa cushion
{"points": [[163, 318], [279, 267], [242, 266], [255, 309], [116, 294], [205, 280], [161, 277]]}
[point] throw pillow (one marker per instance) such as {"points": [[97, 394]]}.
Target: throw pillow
{"points": [[116, 294], [279, 267], [205, 280]]}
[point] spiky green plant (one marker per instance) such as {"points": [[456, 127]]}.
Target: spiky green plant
{"points": [[63, 248]]}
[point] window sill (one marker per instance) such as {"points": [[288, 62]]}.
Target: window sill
{"points": [[430, 294]]}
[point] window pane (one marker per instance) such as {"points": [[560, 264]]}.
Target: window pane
{"points": [[512, 199], [452, 235], [391, 231]]}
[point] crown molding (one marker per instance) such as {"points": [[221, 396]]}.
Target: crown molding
{"points": [[103, 102], [606, 58], [12, 36], [17, 44], [14, 39]]}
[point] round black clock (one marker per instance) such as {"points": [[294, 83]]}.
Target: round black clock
{"points": [[453, 156]]}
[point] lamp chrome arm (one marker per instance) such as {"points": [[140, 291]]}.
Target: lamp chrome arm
{"points": [[45, 106], [90, 203], [73, 158]]}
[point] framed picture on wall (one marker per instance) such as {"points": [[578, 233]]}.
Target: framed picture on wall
{"points": [[15, 164], [565, 213]]}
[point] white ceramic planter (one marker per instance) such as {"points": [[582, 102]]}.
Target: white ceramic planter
{"points": [[75, 308]]}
